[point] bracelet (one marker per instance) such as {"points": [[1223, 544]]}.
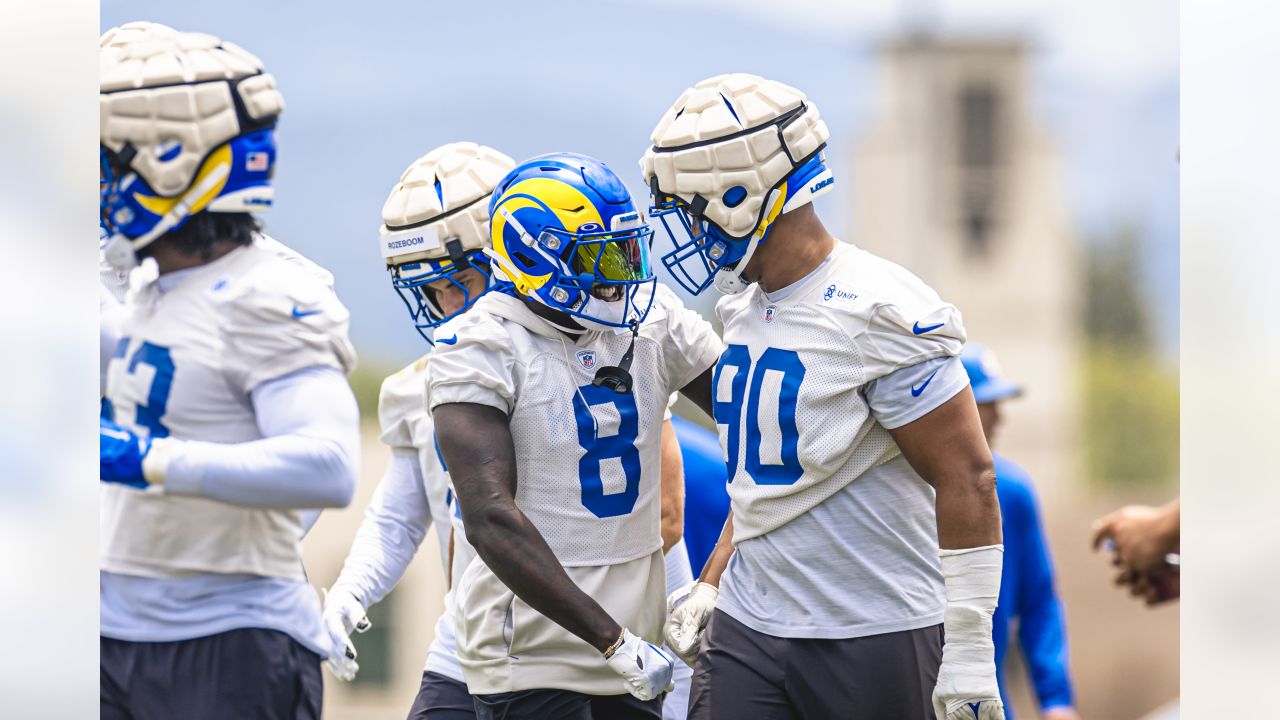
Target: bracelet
{"points": [[609, 651]]}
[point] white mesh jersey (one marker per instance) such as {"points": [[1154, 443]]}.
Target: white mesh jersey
{"points": [[188, 358], [588, 466], [587, 458], [790, 387], [402, 413]]}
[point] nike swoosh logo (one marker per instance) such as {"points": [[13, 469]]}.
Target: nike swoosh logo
{"points": [[917, 389], [922, 330], [298, 312], [448, 340]]}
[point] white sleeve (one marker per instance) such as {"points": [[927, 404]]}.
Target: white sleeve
{"points": [[912, 392], [309, 456], [477, 367], [902, 335], [282, 323], [394, 525], [691, 344]]}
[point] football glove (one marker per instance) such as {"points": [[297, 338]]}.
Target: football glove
{"points": [[966, 688], [689, 608], [121, 452], [343, 614], [646, 669]]}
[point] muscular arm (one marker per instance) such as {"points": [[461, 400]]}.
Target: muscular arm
{"points": [[700, 391], [672, 488], [477, 446], [946, 448], [718, 560]]}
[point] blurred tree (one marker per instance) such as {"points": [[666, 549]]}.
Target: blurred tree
{"points": [[1115, 311], [1131, 398]]}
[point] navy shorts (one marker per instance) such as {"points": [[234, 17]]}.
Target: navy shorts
{"points": [[742, 673], [442, 698], [564, 705], [250, 674]]}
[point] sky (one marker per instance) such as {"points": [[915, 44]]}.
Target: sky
{"points": [[369, 87]]}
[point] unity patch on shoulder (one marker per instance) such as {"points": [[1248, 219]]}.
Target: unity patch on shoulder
{"points": [[838, 297]]}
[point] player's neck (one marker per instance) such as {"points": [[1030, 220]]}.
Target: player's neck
{"points": [[170, 259], [797, 244]]}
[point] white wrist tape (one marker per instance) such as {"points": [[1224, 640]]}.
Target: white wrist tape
{"points": [[156, 464], [972, 577]]}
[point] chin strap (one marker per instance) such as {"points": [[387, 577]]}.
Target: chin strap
{"points": [[618, 377], [729, 280]]}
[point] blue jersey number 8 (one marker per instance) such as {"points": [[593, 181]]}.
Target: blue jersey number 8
{"points": [[599, 449], [729, 414]]}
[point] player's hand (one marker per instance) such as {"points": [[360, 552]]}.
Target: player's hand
{"points": [[966, 688], [986, 708], [1140, 535], [343, 614], [644, 666], [121, 452], [1061, 713], [689, 608]]}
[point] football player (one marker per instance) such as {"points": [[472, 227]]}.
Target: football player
{"points": [[435, 226], [846, 420], [549, 404], [434, 231], [227, 409]]}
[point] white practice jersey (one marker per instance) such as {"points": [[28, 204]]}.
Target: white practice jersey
{"points": [[188, 358], [402, 413], [588, 476], [588, 458], [406, 423], [790, 397], [835, 534]]}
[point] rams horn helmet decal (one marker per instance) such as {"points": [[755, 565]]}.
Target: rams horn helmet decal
{"points": [[567, 235]]}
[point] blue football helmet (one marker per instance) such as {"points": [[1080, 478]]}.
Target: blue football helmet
{"points": [[566, 234], [169, 149]]}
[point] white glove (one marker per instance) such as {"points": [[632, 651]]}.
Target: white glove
{"points": [[343, 614], [645, 668], [689, 608], [966, 688]]}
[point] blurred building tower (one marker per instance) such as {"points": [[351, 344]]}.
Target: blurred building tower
{"points": [[957, 181]]}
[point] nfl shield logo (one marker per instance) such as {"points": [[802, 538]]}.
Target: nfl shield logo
{"points": [[587, 358], [769, 313], [256, 161]]}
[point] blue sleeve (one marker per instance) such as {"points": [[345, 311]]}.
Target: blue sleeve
{"points": [[1041, 631]]}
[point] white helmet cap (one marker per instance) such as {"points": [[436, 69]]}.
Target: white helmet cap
{"points": [[442, 196], [728, 132], [172, 97]]}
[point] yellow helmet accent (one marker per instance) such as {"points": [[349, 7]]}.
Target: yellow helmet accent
{"points": [[162, 205]]}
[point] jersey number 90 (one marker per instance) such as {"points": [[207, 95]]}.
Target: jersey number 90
{"points": [[747, 384]]}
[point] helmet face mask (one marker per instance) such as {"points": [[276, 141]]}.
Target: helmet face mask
{"points": [[550, 240], [418, 284], [700, 250]]}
